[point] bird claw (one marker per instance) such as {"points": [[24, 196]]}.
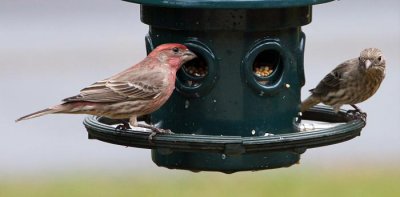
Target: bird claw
{"points": [[363, 116], [356, 114], [155, 131], [124, 126], [150, 138]]}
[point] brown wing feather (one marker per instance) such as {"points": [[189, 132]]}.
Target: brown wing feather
{"points": [[141, 85], [333, 80], [146, 89]]}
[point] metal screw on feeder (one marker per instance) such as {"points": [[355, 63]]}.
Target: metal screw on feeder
{"points": [[235, 107]]}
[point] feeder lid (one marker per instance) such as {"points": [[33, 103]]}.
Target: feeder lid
{"points": [[247, 4]]}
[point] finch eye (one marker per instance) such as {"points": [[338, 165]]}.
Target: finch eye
{"points": [[175, 49], [379, 58]]}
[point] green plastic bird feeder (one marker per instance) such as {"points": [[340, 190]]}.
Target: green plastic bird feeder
{"points": [[235, 107]]}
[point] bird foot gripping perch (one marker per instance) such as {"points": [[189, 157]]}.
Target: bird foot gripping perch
{"points": [[357, 113], [124, 126], [155, 130]]}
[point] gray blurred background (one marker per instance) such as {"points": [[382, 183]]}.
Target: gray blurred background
{"points": [[51, 49]]}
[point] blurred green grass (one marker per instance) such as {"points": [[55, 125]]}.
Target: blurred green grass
{"points": [[282, 182]]}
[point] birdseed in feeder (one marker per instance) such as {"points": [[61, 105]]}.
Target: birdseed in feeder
{"points": [[196, 68], [262, 70]]}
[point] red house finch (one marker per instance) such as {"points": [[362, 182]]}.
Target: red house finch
{"points": [[351, 82], [138, 90]]}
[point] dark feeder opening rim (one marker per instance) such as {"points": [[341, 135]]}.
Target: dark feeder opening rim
{"points": [[235, 145]]}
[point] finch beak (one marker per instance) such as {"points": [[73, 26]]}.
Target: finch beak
{"points": [[188, 55], [367, 63]]}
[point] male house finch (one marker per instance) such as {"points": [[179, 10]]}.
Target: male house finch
{"points": [[351, 82], [138, 90]]}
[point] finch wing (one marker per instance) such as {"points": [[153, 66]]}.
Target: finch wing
{"points": [[139, 86], [332, 81], [97, 92]]}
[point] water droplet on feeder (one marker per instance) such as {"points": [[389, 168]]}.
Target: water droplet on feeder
{"points": [[268, 134], [214, 101], [261, 93], [300, 114], [187, 104], [253, 132], [223, 156], [287, 85]]}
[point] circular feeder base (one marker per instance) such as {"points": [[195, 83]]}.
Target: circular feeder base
{"points": [[230, 154]]}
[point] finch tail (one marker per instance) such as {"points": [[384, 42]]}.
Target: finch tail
{"points": [[40, 113], [309, 102]]}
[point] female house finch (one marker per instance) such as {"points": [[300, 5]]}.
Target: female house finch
{"points": [[138, 90], [351, 82]]}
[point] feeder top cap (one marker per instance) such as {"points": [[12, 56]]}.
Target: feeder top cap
{"points": [[231, 4]]}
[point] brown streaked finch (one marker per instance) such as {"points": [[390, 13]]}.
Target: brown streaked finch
{"points": [[138, 90], [351, 82]]}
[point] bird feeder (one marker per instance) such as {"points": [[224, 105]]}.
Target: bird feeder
{"points": [[236, 107]]}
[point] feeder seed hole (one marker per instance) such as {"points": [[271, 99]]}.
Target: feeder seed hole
{"points": [[265, 63], [196, 67]]}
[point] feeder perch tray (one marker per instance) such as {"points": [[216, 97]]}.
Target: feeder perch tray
{"points": [[100, 128]]}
